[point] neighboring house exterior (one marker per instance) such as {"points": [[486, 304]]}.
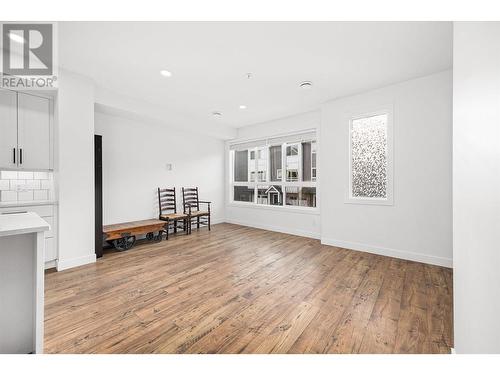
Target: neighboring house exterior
{"points": [[272, 196]]}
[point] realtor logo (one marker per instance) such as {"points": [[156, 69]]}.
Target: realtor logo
{"points": [[28, 56]]}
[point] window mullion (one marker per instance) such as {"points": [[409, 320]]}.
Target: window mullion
{"points": [[256, 179], [268, 164], [299, 169], [283, 172]]}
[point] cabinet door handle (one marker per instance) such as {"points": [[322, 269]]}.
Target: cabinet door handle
{"points": [[14, 155], [20, 156]]}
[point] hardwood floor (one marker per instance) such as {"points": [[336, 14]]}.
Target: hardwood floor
{"points": [[244, 290]]}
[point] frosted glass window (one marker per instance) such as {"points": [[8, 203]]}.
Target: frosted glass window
{"points": [[369, 157]]}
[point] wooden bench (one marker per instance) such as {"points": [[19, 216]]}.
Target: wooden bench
{"points": [[123, 235]]}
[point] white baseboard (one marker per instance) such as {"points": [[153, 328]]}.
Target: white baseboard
{"points": [[64, 264], [274, 228], [51, 264], [400, 254], [217, 221]]}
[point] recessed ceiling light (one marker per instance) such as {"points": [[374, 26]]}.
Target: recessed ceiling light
{"points": [[306, 85], [165, 73], [216, 114], [243, 106], [16, 38]]}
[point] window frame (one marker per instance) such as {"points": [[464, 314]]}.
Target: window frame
{"points": [[282, 182], [314, 161], [389, 200]]}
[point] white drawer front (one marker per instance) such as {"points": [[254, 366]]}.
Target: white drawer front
{"points": [[50, 249], [40, 210]]}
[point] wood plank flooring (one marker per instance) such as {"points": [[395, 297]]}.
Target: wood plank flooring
{"points": [[244, 290]]}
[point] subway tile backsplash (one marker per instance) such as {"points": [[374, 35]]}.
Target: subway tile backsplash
{"points": [[25, 175], [26, 186], [8, 196], [8, 175]]}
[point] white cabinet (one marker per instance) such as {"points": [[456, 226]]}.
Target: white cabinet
{"points": [[8, 129], [49, 214], [25, 126], [33, 132], [50, 251]]}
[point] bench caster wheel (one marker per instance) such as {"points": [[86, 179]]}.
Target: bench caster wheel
{"points": [[150, 236], [158, 237], [124, 243]]}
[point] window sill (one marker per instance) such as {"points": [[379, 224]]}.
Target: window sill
{"points": [[295, 209], [369, 201]]}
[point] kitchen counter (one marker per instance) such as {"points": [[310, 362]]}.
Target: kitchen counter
{"points": [[29, 222], [47, 210], [22, 247]]}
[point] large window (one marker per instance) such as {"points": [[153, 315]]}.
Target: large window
{"points": [[370, 161], [275, 172]]}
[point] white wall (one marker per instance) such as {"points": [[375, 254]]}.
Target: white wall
{"points": [[135, 154], [419, 224], [302, 121], [286, 220], [476, 187], [74, 169]]}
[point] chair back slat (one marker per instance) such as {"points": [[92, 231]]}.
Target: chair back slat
{"points": [[190, 199], [166, 201]]}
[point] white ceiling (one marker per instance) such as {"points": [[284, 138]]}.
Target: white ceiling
{"points": [[209, 62]]}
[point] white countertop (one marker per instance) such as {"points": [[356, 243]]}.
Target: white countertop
{"points": [[28, 222], [27, 203]]}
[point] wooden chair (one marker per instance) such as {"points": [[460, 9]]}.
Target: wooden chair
{"points": [[191, 205], [168, 210]]}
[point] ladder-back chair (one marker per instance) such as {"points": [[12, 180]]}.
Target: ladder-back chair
{"points": [[168, 210], [191, 205]]}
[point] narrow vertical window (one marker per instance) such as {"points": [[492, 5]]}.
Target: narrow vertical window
{"points": [[369, 159], [309, 161], [241, 166], [275, 163], [292, 163], [314, 168], [262, 164]]}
